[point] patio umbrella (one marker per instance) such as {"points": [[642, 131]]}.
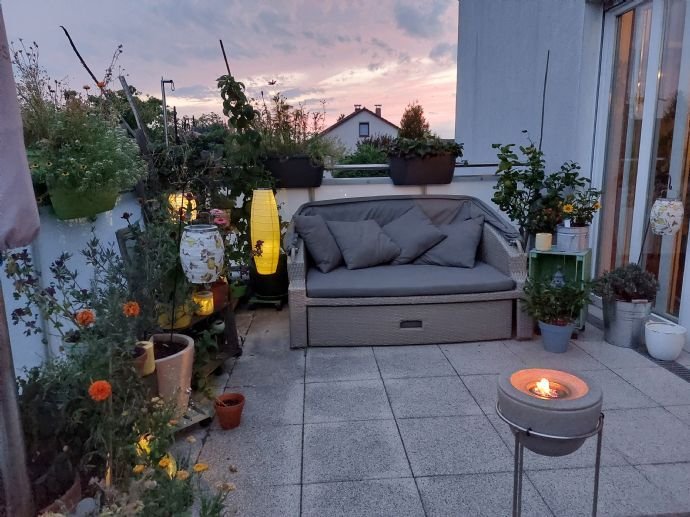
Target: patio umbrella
{"points": [[19, 225]]}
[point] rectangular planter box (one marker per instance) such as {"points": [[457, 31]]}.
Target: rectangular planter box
{"points": [[430, 170], [295, 172]]}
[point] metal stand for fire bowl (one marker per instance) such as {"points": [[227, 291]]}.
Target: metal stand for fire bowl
{"points": [[519, 453]]}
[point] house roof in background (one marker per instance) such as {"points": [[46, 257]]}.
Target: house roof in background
{"points": [[354, 114]]}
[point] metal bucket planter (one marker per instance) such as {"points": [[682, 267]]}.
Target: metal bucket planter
{"points": [[574, 238], [624, 322]]}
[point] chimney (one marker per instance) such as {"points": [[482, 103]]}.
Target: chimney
{"points": [[358, 107], [378, 109]]}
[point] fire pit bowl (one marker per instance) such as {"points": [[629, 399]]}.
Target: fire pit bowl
{"points": [[550, 402]]}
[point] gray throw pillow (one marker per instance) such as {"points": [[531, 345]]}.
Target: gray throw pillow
{"points": [[414, 233], [459, 248], [363, 243], [319, 241]]}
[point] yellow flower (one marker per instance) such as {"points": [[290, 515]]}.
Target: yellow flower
{"points": [[200, 467], [164, 463], [568, 208], [182, 475], [169, 464], [144, 445], [138, 469], [597, 205]]}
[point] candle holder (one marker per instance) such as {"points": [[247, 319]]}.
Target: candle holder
{"points": [[204, 303]]}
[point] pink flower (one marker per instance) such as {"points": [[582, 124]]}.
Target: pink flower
{"points": [[221, 221]]}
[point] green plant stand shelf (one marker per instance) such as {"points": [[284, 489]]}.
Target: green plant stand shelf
{"points": [[576, 266]]}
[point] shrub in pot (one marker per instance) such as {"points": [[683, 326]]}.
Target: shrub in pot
{"points": [[422, 161], [627, 294], [578, 209], [555, 307]]}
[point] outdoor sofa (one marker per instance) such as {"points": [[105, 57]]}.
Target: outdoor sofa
{"points": [[404, 304]]}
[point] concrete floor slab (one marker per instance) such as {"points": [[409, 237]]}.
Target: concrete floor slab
{"points": [[430, 396], [264, 501], [659, 384], [681, 412], [481, 358], [389, 497], [341, 364], [672, 478], [340, 401], [454, 445], [478, 495], [353, 451], [412, 361], [271, 404], [614, 356], [532, 354]]}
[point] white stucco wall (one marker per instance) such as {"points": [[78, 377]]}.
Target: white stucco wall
{"points": [[348, 132], [502, 47]]}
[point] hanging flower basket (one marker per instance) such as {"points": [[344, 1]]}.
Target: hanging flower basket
{"points": [[71, 204]]}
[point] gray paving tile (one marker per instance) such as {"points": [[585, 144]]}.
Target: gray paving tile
{"points": [[684, 358], [682, 412], [346, 400], [623, 491], [532, 353], [268, 369], [388, 497], [672, 478], [659, 384], [271, 404], [453, 445], [478, 495], [430, 396], [353, 451], [267, 333], [618, 393], [188, 444], [484, 390], [585, 456], [264, 455], [412, 361], [481, 358], [265, 501], [650, 435], [614, 356], [341, 364]]}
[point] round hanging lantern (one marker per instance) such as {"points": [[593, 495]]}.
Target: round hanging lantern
{"points": [[201, 253], [265, 231], [666, 216], [182, 205]]}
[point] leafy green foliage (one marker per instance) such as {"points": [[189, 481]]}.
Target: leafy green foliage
{"points": [[552, 304], [428, 146], [369, 150], [527, 194], [413, 123], [627, 283]]}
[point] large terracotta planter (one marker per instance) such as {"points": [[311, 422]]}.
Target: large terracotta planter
{"points": [[430, 170], [69, 500], [295, 172], [174, 372]]}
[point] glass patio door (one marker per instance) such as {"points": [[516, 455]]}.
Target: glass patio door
{"points": [[647, 144]]}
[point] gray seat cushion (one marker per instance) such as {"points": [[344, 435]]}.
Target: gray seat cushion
{"points": [[406, 280], [319, 240]]}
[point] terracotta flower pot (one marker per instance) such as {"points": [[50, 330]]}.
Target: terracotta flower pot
{"points": [[69, 500], [229, 408], [174, 371]]}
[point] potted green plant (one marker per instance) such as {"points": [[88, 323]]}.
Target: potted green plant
{"points": [[524, 189], [555, 307], [292, 145], [627, 295], [578, 209], [85, 161], [422, 161]]}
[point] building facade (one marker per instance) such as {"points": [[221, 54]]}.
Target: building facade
{"points": [[362, 123], [616, 101]]}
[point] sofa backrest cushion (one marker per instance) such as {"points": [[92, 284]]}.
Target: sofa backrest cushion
{"points": [[363, 243], [319, 241], [459, 248], [414, 233]]}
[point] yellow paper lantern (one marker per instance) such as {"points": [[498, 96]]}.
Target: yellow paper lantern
{"points": [[204, 302], [182, 205], [265, 231]]}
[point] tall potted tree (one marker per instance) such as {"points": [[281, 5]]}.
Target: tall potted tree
{"points": [[627, 294], [555, 307]]}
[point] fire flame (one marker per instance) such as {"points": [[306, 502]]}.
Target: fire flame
{"points": [[543, 388]]}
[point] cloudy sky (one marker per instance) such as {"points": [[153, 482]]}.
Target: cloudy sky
{"points": [[346, 52]]}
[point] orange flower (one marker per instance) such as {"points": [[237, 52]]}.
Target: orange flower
{"points": [[131, 309], [101, 84], [85, 317], [100, 390]]}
